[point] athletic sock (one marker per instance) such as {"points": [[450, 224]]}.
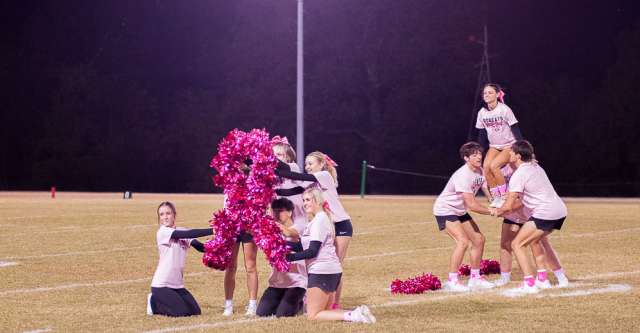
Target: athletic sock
{"points": [[502, 189], [228, 303], [505, 276], [253, 303], [542, 275], [475, 273], [453, 277], [494, 192]]}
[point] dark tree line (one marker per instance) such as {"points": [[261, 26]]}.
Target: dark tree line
{"points": [[135, 95]]}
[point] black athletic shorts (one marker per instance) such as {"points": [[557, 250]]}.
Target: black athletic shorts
{"points": [[327, 282], [344, 228], [507, 221], [548, 225], [244, 237], [442, 220]]}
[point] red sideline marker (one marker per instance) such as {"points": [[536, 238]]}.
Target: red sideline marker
{"points": [[53, 192]]}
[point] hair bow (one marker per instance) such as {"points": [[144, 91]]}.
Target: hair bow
{"points": [[280, 139]]}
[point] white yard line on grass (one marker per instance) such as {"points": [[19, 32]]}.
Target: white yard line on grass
{"points": [[84, 285], [611, 288], [7, 263], [74, 253], [41, 330]]}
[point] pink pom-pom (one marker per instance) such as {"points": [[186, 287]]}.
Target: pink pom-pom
{"points": [[487, 266], [248, 196], [416, 285]]}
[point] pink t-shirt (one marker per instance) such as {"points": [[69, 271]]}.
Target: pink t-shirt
{"points": [[298, 216], [330, 194], [321, 229], [450, 201], [497, 122], [172, 253], [297, 274], [538, 194]]}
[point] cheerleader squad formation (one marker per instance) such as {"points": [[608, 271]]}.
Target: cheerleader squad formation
{"points": [[318, 229]]}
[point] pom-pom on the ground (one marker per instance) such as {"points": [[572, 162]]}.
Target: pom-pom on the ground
{"points": [[416, 285], [487, 266]]}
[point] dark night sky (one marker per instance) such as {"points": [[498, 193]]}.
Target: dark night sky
{"points": [[115, 95]]}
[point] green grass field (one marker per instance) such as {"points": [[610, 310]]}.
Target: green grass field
{"points": [[83, 263]]}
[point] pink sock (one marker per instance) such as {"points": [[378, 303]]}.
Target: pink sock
{"points": [[542, 275], [529, 280], [335, 306], [453, 277], [494, 192], [475, 273]]}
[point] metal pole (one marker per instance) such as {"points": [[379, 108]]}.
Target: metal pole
{"points": [[363, 179], [300, 91]]}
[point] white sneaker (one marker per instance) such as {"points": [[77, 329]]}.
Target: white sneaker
{"points": [[524, 289], [366, 315], [457, 287], [228, 311], [149, 310], [563, 282], [251, 310], [480, 283], [501, 282], [543, 284]]}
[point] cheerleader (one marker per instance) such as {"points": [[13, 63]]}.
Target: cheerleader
{"points": [[530, 184], [168, 295], [450, 210], [317, 248], [288, 187], [250, 252], [498, 129], [283, 297], [543, 252], [321, 172]]}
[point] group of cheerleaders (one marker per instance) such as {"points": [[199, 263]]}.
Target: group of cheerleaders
{"points": [[519, 191], [318, 229]]}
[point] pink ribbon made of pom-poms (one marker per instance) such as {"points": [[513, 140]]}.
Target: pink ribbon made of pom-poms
{"points": [[487, 266], [248, 197], [416, 285]]}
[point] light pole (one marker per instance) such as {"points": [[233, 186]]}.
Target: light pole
{"points": [[300, 91]]}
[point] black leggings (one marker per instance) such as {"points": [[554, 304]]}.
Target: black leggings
{"points": [[173, 302], [282, 302]]}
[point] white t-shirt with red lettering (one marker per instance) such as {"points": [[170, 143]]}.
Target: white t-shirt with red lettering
{"points": [[538, 194], [330, 194], [172, 253], [450, 201], [321, 229], [498, 124], [297, 274]]}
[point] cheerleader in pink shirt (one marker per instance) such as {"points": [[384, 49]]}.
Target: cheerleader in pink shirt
{"points": [[450, 210], [321, 173], [283, 297], [317, 248], [291, 189], [168, 295], [543, 252], [498, 129], [530, 184]]}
